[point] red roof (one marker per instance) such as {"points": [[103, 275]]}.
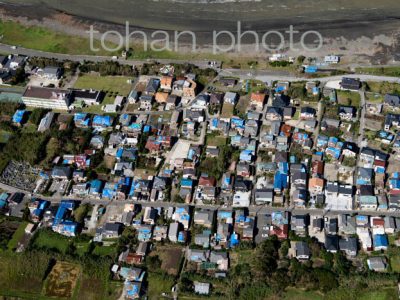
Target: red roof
{"points": [[378, 222], [280, 231], [207, 181], [258, 97]]}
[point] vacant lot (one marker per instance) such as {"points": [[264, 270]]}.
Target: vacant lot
{"points": [[112, 86], [39, 38], [158, 284], [349, 98], [215, 140], [227, 110], [242, 105], [170, 258], [62, 280], [7, 230], [383, 87], [47, 239]]}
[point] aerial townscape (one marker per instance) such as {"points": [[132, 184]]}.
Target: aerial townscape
{"points": [[192, 180], [199, 149]]}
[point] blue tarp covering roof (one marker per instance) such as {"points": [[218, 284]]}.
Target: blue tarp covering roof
{"points": [[102, 121], [4, 196], [280, 181], [3, 203], [110, 190], [147, 128], [62, 209], [224, 214], [18, 116], [311, 69], [380, 240], [82, 119], [234, 240], [95, 186], [186, 182], [283, 167], [237, 122]]}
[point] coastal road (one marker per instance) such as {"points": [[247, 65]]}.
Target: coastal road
{"points": [[4, 48], [272, 75]]}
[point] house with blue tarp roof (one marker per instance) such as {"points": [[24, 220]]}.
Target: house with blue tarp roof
{"points": [[109, 190], [380, 242], [125, 119], [283, 168], [136, 127], [224, 215], [18, 116], [246, 155], [126, 154], [394, 183], [280, 181], [237, 123], [132, 290], [102, 122], [310, 69], [147, 128], [81, 120], [364, 176], [67, 228], [279, 218], [96, 187], [186, 183], [234, 240], [334, 152], [145, 233], [65, 207], [181, 237], [322, 141]]}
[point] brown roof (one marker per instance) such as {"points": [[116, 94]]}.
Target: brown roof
{"points": [[166, 80], [45, 93], [258, 97], [316, 182], [161, 97]]}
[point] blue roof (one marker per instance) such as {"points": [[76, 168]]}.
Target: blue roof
{"points": [[18, 116], [4, 196], [280, 181], [3, 203], [147, 128], [186, 182], [283, 167], [95, 186], [311, 69], [234, 240], [103, 121], [380, 240]]}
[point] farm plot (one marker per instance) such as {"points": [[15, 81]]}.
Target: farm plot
{"points": [[62, 280]]}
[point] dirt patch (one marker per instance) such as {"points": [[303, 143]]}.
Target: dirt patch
{"points": [[62, 280], [170, 258]]}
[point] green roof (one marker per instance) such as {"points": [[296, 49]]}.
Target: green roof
{"points": [[13, 97]]}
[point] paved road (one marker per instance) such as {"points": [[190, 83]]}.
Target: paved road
{"points": [[363, 108], [4, 48], [253, 209], [271, 75]]}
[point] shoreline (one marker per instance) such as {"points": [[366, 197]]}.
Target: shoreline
{"points": [[376, 40]]}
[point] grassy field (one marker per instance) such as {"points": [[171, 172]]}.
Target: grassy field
{"points": [[158, 284], [227, 110], [111, 85], [242, 105], [104, 251], [213, 139], [349, 98], [62, 280], [383, 87], [39, 38], [170, 256], [17, 236], [51, 240], [386, 71]]}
